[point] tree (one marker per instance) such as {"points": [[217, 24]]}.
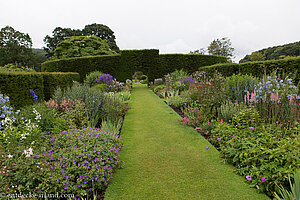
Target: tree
{"points": [[221, 47], [257, 56], [77, 46], [201, 51], [59, 34], [15, 47]]}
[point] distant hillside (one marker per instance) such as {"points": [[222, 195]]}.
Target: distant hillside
{"points": [[275, 53]]}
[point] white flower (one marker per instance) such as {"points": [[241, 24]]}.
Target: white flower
{"points": [[10, 156]]}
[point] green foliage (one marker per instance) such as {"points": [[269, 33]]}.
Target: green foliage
{"points": [[78, 46], [276, 52], [228, 109], [123, 66], [100, 87], [257, 56], [113, 108], [248, 117], [84, 65], [295, 189], [15, 47], [99, 30], [221, 47], [53, 80], [91, 78], [236, 86], [17, 86], [257, 69], [226, 69], [49, 120], [265, 153], [111, 127], [12, 67], [159, 87], [94, 100]]}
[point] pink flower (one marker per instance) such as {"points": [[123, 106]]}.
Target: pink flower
{"points": [[206, 148], [197, 128], [219, 139], [251, 127], [221, 121], [263, 179], [248, 178], [233, 136]]}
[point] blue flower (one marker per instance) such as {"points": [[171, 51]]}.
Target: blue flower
{"points": [[34, 96]]}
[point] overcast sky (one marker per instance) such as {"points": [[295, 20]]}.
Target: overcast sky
{"points": [[172, 26]]}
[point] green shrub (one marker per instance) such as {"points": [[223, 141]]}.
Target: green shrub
{"points": [[246, 118], [49, 119], [100, 87], [228, 109], [159, 87], [91, 78], [264, 154], [17, 86], [94, 100], [236, 86]]}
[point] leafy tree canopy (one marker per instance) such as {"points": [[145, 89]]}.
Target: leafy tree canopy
{"points": [[15, 47], [277, 52], [221, 47], [77, 46], [59, 34]]}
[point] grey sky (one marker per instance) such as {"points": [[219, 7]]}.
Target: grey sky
{"points": [[173, 26]]}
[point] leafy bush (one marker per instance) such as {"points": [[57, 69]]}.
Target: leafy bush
{"points": [[264, 154], [100, 87], [94, 100], [11, 67], [228, 109], [92, 77], [246, 118], [49, 121], [236, 86], [160, 87]]}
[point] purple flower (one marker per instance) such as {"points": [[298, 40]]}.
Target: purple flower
{"points": [[263, 179], [34, 96], [233, 136], [251, 127], [248, 178], [206, 148], [219, 139]]}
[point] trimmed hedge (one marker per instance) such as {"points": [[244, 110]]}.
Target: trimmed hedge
{"points": [[54, 80], [123, 66], [84, 65], [288, 65], [17, 85], [137, 60]]}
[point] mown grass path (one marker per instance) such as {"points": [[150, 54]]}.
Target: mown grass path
{"points": [[165, 160]]}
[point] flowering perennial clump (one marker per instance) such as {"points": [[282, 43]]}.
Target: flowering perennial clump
{"points": [[105, 78]]}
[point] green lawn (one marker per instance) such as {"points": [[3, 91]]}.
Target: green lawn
{"points": [[165, 160]]}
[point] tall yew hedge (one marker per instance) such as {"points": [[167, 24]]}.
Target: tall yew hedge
{"points": [[124, 65]]}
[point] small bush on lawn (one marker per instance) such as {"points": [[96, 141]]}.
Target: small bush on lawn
{"points": [[264, 154]]}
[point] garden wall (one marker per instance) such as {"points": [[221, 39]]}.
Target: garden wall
{"points": [[123, 66], [17, 85]]}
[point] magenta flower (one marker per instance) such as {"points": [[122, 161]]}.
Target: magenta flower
{"points": [[248, 178], [219, 139], [263, 179], [251, 127], [206, 148], [233, 136]]}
